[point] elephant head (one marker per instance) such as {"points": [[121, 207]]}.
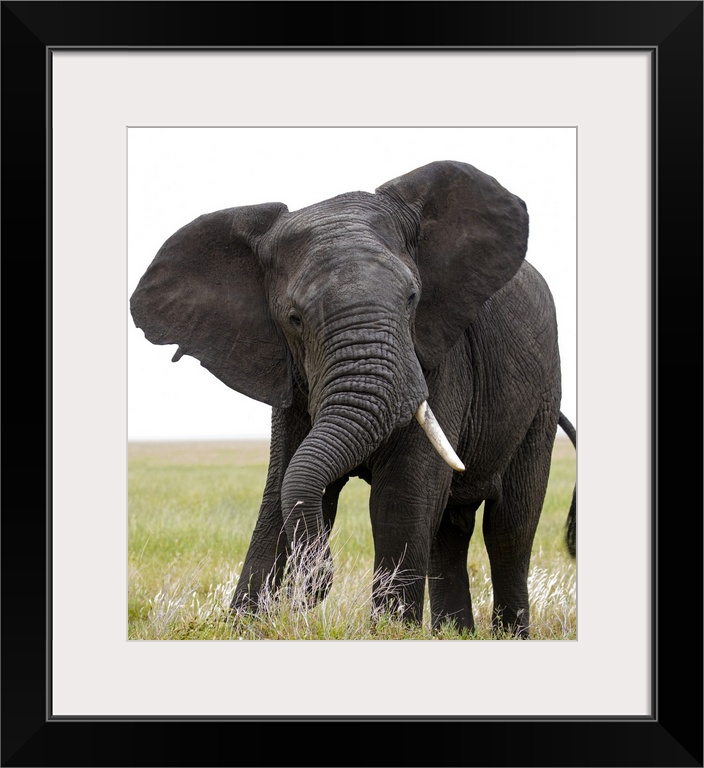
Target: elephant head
{"points": [[350, 302]]}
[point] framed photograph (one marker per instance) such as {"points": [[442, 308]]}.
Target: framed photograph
{"points": [[177, 174], [107, 113]]}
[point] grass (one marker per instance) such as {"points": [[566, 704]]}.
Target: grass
{"points": [[192, 508]]}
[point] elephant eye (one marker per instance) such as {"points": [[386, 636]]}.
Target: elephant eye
{"points": [[411, 300], [295, 320]]}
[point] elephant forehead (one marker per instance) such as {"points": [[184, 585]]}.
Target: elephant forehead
{"points": [[355, 267], [355, 221], [353, 279]]}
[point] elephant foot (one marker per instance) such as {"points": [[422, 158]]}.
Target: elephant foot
{"points": [[243, 604], [397, 607], [513, 623], [461, 622]]}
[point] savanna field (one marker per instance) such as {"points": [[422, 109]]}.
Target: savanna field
{"points": [[191, 511]]}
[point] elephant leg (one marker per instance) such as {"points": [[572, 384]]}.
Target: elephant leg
{"points": [[400, 559], [448, 579], [265, 560], [406, 502], [510, 523], [268, 551]]}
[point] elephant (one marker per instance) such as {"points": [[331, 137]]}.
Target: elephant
{"points": [[352, 316]]}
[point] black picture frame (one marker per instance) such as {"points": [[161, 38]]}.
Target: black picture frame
{"points": [[672, 31]]}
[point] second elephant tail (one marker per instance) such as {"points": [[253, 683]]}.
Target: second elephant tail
{"points": [[571, 524]]}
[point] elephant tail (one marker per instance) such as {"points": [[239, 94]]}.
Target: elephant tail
{"points": [[568, 428], [571, 524]]}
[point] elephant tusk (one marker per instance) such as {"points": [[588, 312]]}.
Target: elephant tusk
{"points": [[429, 425]]}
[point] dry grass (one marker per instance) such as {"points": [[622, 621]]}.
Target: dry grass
{"points": [[193, 506]]}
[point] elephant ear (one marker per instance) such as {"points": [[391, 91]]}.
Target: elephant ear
{"points": [[470, 239], [205, 292]]}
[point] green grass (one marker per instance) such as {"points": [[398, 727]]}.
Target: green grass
{"points": [[192, 508]]}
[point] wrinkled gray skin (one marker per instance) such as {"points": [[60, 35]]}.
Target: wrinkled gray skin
{"points": [[345, 316]]}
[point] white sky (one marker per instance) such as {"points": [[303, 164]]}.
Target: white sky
{"points": [[177, 174]]}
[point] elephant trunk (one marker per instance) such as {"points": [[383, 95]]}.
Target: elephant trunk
{"points": [[338, 442], [316, 464], [366, 388], [334, 446], [360, 391]]}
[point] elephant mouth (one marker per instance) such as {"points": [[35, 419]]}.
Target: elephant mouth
{"points": [[438, 439]]}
